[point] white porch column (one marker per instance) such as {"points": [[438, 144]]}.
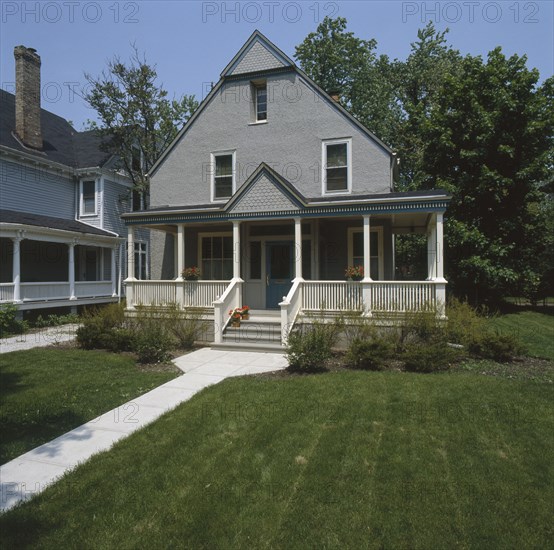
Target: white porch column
{"points": [[439, 267], [431, 249], [113, 272], [16, 268], [71, 270], [130, 254], [366, 282], [180, 251], [236, 250], [298, 249]]}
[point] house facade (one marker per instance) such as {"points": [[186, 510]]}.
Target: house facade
{"points": [[273, 189], [62, 239]]}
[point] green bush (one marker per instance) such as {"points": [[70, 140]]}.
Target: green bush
{"points": [[119, 339], [464, 323], [370, 354], [99, 325], [429, 357], [185, 325], [153, 346], [9, 324], [310, 347], [422, 326], [496, 346], [55, 320]]}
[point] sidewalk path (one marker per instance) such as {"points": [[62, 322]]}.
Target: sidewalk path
{"points": [[31, 473], [40, 338]]}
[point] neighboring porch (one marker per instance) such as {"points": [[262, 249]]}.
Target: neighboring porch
{"points": [[43, 267]]}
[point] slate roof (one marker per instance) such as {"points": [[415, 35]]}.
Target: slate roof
{"points": [[61, 142], [11, 216]]}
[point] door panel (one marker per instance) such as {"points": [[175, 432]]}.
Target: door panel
{"points": [[279, 272]]}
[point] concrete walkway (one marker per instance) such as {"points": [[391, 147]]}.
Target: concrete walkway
{"points": [[31, 473], [39, 338]]}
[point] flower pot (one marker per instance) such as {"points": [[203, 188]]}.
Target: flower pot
{"points": [[245, 316], [356, 278], [189, 278], [235, 323]]}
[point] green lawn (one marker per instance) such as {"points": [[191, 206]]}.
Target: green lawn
{"points": [[47, 392], [535, 329], [338, 460]]}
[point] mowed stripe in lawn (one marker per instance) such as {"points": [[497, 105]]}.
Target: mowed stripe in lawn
{"points": [[346, 459]]}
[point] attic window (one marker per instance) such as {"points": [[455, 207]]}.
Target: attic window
{"points": [[261, 102], [223, 171], [337, 173]]}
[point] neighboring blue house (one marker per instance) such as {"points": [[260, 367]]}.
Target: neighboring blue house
{"points": [[273, 189], [62, 240]]}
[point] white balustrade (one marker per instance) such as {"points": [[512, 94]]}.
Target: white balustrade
{"points": [[401, 296], [230, 299], [332, 295], [290, 307], [6, 292], [44, 291], [92, 289]]}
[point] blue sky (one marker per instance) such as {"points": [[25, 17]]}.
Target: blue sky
{"points": [[191, 42]]}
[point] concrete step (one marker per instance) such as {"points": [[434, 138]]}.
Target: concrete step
{"points": [[261, 346]]}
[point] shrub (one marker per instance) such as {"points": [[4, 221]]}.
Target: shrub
{"points": [[9, 323], [369, 354], [186, 325], [119, 339], [422, 326], [464, 323], [430, 357], [309, 348], [99, 325], [55, 320], [153, 346], [496, 346]]}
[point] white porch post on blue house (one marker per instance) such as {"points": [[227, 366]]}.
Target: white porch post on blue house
{"points": [[366, 282], [435, 260], [130, 267], [71, 270], [16, 268], [236, 262], [180, 251], [113, 271]]}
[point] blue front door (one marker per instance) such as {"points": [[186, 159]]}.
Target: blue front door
{"points": [[279, 272]]}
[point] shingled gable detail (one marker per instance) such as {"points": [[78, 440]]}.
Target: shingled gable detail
{"points": [[263, 193]]}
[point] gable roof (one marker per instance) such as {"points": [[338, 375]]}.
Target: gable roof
{"points": [[265, 190], [61, 142], [257, 38], [257, 54]]}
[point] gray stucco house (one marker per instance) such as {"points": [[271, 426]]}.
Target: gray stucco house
{"points": [[273, 189], [62, 240]]}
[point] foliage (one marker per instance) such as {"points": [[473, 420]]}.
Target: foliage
{"points": [[135, 115], [429, 356], [310, 347], [354, 272], [153, 345], [191, 273], [9, 324], [496, 346], [422, 327], [464, 322], [186, 325], [483, 130], [53, 320], [99, 327], [370, 354]]}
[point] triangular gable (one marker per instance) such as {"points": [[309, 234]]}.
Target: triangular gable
{"points": [[265, 191], [257, 54]]}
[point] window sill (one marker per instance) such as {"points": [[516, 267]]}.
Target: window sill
{"points": [[257, 123], [88, 215], [333, 193]]}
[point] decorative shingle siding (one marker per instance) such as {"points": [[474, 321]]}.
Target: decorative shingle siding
{"points": [[258, 58], [263, 196]]}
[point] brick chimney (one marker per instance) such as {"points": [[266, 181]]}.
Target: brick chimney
{"points": [[27, 96]]}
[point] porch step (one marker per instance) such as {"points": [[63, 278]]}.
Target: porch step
{"points": [[231, 346], [261, 331]]}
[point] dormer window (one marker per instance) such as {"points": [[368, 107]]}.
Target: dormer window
{"points": [[88, 198], [261, 102], [337, 166], [223, 175]]}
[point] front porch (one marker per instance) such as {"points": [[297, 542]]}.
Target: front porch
{"points": [[291, 268]]}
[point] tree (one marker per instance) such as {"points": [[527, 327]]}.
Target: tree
{"points": [[137, 121]]}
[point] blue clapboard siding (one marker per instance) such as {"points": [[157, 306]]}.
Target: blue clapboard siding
{"points": [[28, 189]]}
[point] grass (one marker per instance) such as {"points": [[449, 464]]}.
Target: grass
{"points": [[47, 392], [344, 459], [535, 328]]}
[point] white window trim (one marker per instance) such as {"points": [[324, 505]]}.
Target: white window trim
{"points": [[212, 184], [380, 255], [209, 234], [82, 213], [256, 88], [324, 145]]}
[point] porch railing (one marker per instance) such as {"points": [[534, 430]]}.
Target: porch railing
{"points": [[44, 291], [230, 299], [185, 293], [6, 292], [290, 307], [384, 296], [92, 289]]}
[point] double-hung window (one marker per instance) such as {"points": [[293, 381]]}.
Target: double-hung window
{"points": [[337, 166], [88, 198], [223, 175], [261, 102], [216, 256]]}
